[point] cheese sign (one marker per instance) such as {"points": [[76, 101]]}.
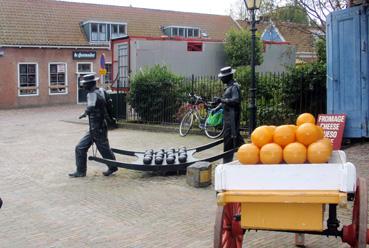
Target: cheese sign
{"points": [[333, 126]]}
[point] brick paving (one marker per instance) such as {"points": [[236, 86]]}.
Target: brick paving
{"points": [[43, 207]]}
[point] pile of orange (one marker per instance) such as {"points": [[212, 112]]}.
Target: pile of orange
{"points": [[292, 144]]}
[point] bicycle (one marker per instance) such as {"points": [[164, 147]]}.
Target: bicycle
{"points": [[211, 131]]}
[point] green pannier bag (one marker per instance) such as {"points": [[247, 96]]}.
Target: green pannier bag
{"points": [[215, 119]]}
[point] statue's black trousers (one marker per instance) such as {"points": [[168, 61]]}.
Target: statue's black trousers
{"points": [[230, 143], [100, 138]]}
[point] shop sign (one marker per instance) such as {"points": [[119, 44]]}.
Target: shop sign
{"points": [[333, 126], [84, 55]]}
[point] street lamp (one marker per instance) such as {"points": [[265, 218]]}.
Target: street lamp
{"points": [[252, 5]]}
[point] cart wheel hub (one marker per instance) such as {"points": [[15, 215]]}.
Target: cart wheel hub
{"points": [[357, 234], [349, 235], [236, 228]]}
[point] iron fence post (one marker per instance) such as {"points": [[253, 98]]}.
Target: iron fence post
{"points": [[252, 107]]}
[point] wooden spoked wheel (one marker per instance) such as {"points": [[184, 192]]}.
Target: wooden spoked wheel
{"points": [[227, 230], [356, 234]]}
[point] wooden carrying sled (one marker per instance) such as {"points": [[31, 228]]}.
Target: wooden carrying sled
{"points": [[139, 165]]}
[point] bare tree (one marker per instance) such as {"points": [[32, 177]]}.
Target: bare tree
{"points": [[239, 12], [318, 10]]}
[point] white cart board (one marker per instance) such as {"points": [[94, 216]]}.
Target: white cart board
{"points": [[337, 174]]}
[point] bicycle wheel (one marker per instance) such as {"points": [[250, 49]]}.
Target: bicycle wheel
{"points": [[186, 124], [214, 132]]}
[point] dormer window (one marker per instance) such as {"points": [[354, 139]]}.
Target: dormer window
{"points": [[185, 32], [118, 30], [181, 32], [193, 33], [190, 32], [174, 32], [94, 32], [98, 32], [102, 32]]}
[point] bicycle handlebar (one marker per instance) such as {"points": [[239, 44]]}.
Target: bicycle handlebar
{"points": [[195, 98], [198, 99]]}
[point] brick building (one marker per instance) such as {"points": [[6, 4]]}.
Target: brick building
{"points": [[46, 45]]}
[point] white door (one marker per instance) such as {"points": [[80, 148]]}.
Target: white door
{"points": [[83, 68], [123, 66]]}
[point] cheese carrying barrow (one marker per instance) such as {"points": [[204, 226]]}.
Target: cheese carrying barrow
{"points": [[164, 167], [289, 198]]}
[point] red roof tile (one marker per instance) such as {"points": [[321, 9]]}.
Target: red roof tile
{"points": [[49, 22]]}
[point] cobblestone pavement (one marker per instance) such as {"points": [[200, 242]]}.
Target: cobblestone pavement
{"points": [[43, 207]]}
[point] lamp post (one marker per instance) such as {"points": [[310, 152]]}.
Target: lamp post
{"points": [[252, 6]]}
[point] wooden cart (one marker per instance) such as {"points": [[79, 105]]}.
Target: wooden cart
{"points": [[295, 211]]}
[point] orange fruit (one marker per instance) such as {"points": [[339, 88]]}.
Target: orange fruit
{"points": [[271, 128], [327, 141], [271, 153], [261, 136], [248, 154], [293, 126], [294, 153], [283, 135], [321, 132], [305, 118], [319, 152], [307, 133]]}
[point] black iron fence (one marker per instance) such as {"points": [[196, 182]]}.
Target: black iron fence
{"points": [[280, 98]]}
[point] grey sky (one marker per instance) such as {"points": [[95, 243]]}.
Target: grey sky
{"points": [[220, 7]]}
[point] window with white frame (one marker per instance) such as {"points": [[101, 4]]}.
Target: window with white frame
{"points": [[58, 83], [27, 79], [174, 31], [181, 32], [186, 32], [118, 30], [94, 32], [102, 32], [190, 32], [99, 32], [84, 67]]}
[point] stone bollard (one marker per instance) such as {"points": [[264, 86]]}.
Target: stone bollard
{"points": [[199, 174]]}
